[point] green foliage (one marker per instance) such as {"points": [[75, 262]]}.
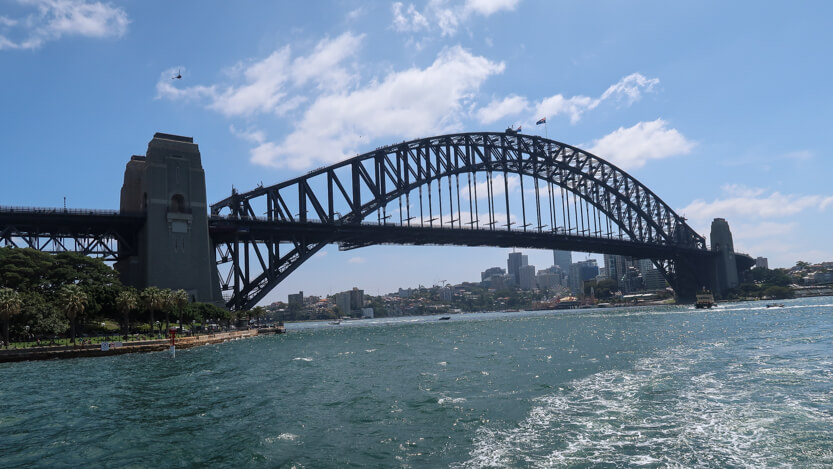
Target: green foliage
{"points": [[603, 289], [10, 305], [25, 269], [777, 291], [74, 301], [768, 283], [208, 311]]}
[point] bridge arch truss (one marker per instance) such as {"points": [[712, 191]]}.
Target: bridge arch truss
{"points": [[496, 189]]}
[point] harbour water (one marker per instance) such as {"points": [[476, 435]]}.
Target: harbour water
{"points": [[741, 385]]}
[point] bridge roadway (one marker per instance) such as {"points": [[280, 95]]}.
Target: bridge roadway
{"points": [[92, 232], [48, 229], [356, 235], [112, 234]]}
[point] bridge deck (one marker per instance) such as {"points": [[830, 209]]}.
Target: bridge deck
{"points": [[355, 235]]}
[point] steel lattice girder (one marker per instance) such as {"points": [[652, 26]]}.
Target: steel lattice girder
{"points": [[90, 232], [377, 178]]}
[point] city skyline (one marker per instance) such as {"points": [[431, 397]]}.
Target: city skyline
{"points": [[720, 124]]}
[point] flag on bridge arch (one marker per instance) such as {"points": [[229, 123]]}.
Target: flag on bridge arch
{"points": [[542, 120]]}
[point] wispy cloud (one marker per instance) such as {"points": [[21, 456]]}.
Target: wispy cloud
{"points": [[628, 89], [633, 147], [54, 19], [763, 222], [407, 103], [446, 16], [744, 202], [497, 110], [265, 82], [357, 260], [408, 19]]}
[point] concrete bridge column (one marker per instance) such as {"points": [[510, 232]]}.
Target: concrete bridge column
{"points": [[726, 270], [175, 250]]}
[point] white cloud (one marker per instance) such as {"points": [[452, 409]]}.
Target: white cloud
{"points": [[629, 88], [744, 203], [763, 222], [633, 147], [165, 87], [496, 110], [254, 136], [357, 260], [408, 21], [408, 103], [55, 19], [765, 229], [322, 66], [489, 7], [263, 89], [353, 14], [445, 15], [266, 82]]}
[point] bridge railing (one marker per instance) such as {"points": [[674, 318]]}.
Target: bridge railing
{"points": [[503, 229], [60, 210]]}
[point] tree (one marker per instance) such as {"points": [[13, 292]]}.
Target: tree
{"points": [[776, 291], [74, 301], [127, 301], [207, 311], [153, 299], [604, 289], [10, 304], [99, 281], [178, 301], [258, 311]]}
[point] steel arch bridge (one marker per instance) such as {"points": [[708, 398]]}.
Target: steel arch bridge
{"points": [[472, 189]]}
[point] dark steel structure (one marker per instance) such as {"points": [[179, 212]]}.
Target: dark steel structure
{"points": [[469, 189], [102, 233]]}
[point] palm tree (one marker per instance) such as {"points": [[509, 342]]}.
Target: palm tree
{"points": [[74, 300], [178, 299], [154, 300], [10, 304], [259, 311], [127, 301]]}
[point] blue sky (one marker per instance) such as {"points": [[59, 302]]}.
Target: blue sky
{"points": [[723, 109]]}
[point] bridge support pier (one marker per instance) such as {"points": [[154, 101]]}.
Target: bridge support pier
{"points": [[718, 273], [174, 248]]}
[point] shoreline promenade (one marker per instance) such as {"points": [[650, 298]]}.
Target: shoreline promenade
{"points": [[75, 351]]}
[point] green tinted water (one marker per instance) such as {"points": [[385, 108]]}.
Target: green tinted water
{"points": [[739, 386]]}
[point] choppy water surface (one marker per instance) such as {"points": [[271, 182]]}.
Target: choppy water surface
{"points": [[739, 386]]}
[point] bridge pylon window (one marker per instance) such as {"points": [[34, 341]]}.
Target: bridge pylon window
{"points": [[177, 204]]}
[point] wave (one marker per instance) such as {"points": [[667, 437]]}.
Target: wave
{"points": [[683, 408]]}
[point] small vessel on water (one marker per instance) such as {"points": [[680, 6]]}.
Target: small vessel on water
{"points": [[444, 318], [705, 299], [336, 322], [775, 305]]}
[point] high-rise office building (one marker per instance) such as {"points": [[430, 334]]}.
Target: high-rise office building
{"points": [[563, 259], [296, 299], [580, 272], [526, 277], [514, 263], [487, 274]]}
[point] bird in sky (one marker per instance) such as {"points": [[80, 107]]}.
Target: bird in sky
{"points": [[178, 76]]}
